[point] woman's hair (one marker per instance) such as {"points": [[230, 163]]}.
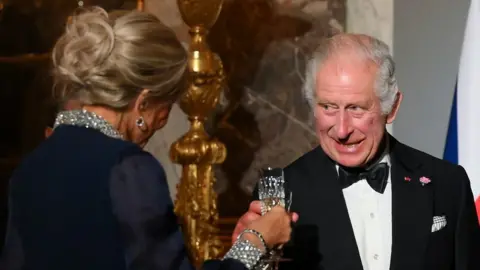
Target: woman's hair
{"points": [[107, 59]]}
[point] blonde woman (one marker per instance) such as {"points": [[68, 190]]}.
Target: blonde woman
{"points": [[89, 197]]}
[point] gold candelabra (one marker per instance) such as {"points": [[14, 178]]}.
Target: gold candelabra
{"points": [[196, 204]]}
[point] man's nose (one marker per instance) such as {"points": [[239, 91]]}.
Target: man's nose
{"points": [[343, 127]]}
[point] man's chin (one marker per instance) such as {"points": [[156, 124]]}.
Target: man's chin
{"points": [[350, 161], [352, 165]]}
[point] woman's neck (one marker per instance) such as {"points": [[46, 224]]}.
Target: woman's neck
{"points": [[114, 118]]}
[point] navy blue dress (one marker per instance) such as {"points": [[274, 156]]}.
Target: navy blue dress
{"points": [[83, 200]]}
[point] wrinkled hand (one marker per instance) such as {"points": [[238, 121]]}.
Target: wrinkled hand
{"points": [[254, 214]]}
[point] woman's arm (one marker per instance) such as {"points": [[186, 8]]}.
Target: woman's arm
{"points": [[152, 236], [142, 204]]}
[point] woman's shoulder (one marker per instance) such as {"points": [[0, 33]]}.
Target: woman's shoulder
{"points": [[139, 167], [138, 183], [138, 158]]}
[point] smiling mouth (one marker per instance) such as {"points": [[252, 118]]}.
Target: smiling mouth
{"points": [[348, 147]]}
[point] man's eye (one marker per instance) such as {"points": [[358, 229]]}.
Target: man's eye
{"points": [[325, 106], [354, 108]]}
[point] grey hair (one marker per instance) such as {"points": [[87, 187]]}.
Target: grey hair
{"points": [[368, 47], [108, 59]]}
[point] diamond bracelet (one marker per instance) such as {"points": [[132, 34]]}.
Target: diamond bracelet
{"points": [[245, 252]]}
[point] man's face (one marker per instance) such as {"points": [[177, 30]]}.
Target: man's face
{"points": [[349, 121]]}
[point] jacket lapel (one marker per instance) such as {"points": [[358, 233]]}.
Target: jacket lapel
{"points": [[412, 209], [337, 244]]}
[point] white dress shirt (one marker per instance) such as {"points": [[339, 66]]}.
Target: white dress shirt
{"points": [[371, 217]]}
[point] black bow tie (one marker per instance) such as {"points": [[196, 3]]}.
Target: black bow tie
{"points": [[376, 176]]}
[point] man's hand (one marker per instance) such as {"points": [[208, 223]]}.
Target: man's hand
{"points": [[254, 212]]}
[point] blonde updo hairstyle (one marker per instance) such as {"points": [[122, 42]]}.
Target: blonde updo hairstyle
{"points": [[108, 59]]}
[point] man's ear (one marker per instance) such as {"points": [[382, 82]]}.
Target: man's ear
{"points": [[396, 105]]}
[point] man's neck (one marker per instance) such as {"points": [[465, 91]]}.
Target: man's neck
{"points": [[383, 150]]}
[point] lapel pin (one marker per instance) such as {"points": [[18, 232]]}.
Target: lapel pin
{"points": [[407, 179], [425, 180]]}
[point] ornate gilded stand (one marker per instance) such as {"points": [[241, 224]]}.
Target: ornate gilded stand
{"points": [[195, 151]]}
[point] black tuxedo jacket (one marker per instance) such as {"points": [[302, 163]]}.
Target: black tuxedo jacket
{"points": [[323, 237]]}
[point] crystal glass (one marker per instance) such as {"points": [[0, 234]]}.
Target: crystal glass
{"points": [[272, 192]]}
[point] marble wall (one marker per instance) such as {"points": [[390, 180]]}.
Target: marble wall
{"points": [[372, 17], [263, 119]]}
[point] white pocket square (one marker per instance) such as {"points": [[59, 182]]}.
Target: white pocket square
{"points": [[439, 222]]}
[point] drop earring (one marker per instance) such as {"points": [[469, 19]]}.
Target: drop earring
{"points": [[141, 124]]}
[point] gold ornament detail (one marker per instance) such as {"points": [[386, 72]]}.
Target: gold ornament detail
{"points": [[196, 203]]}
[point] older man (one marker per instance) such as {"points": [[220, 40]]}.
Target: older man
{"points": [[365, 200]]}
